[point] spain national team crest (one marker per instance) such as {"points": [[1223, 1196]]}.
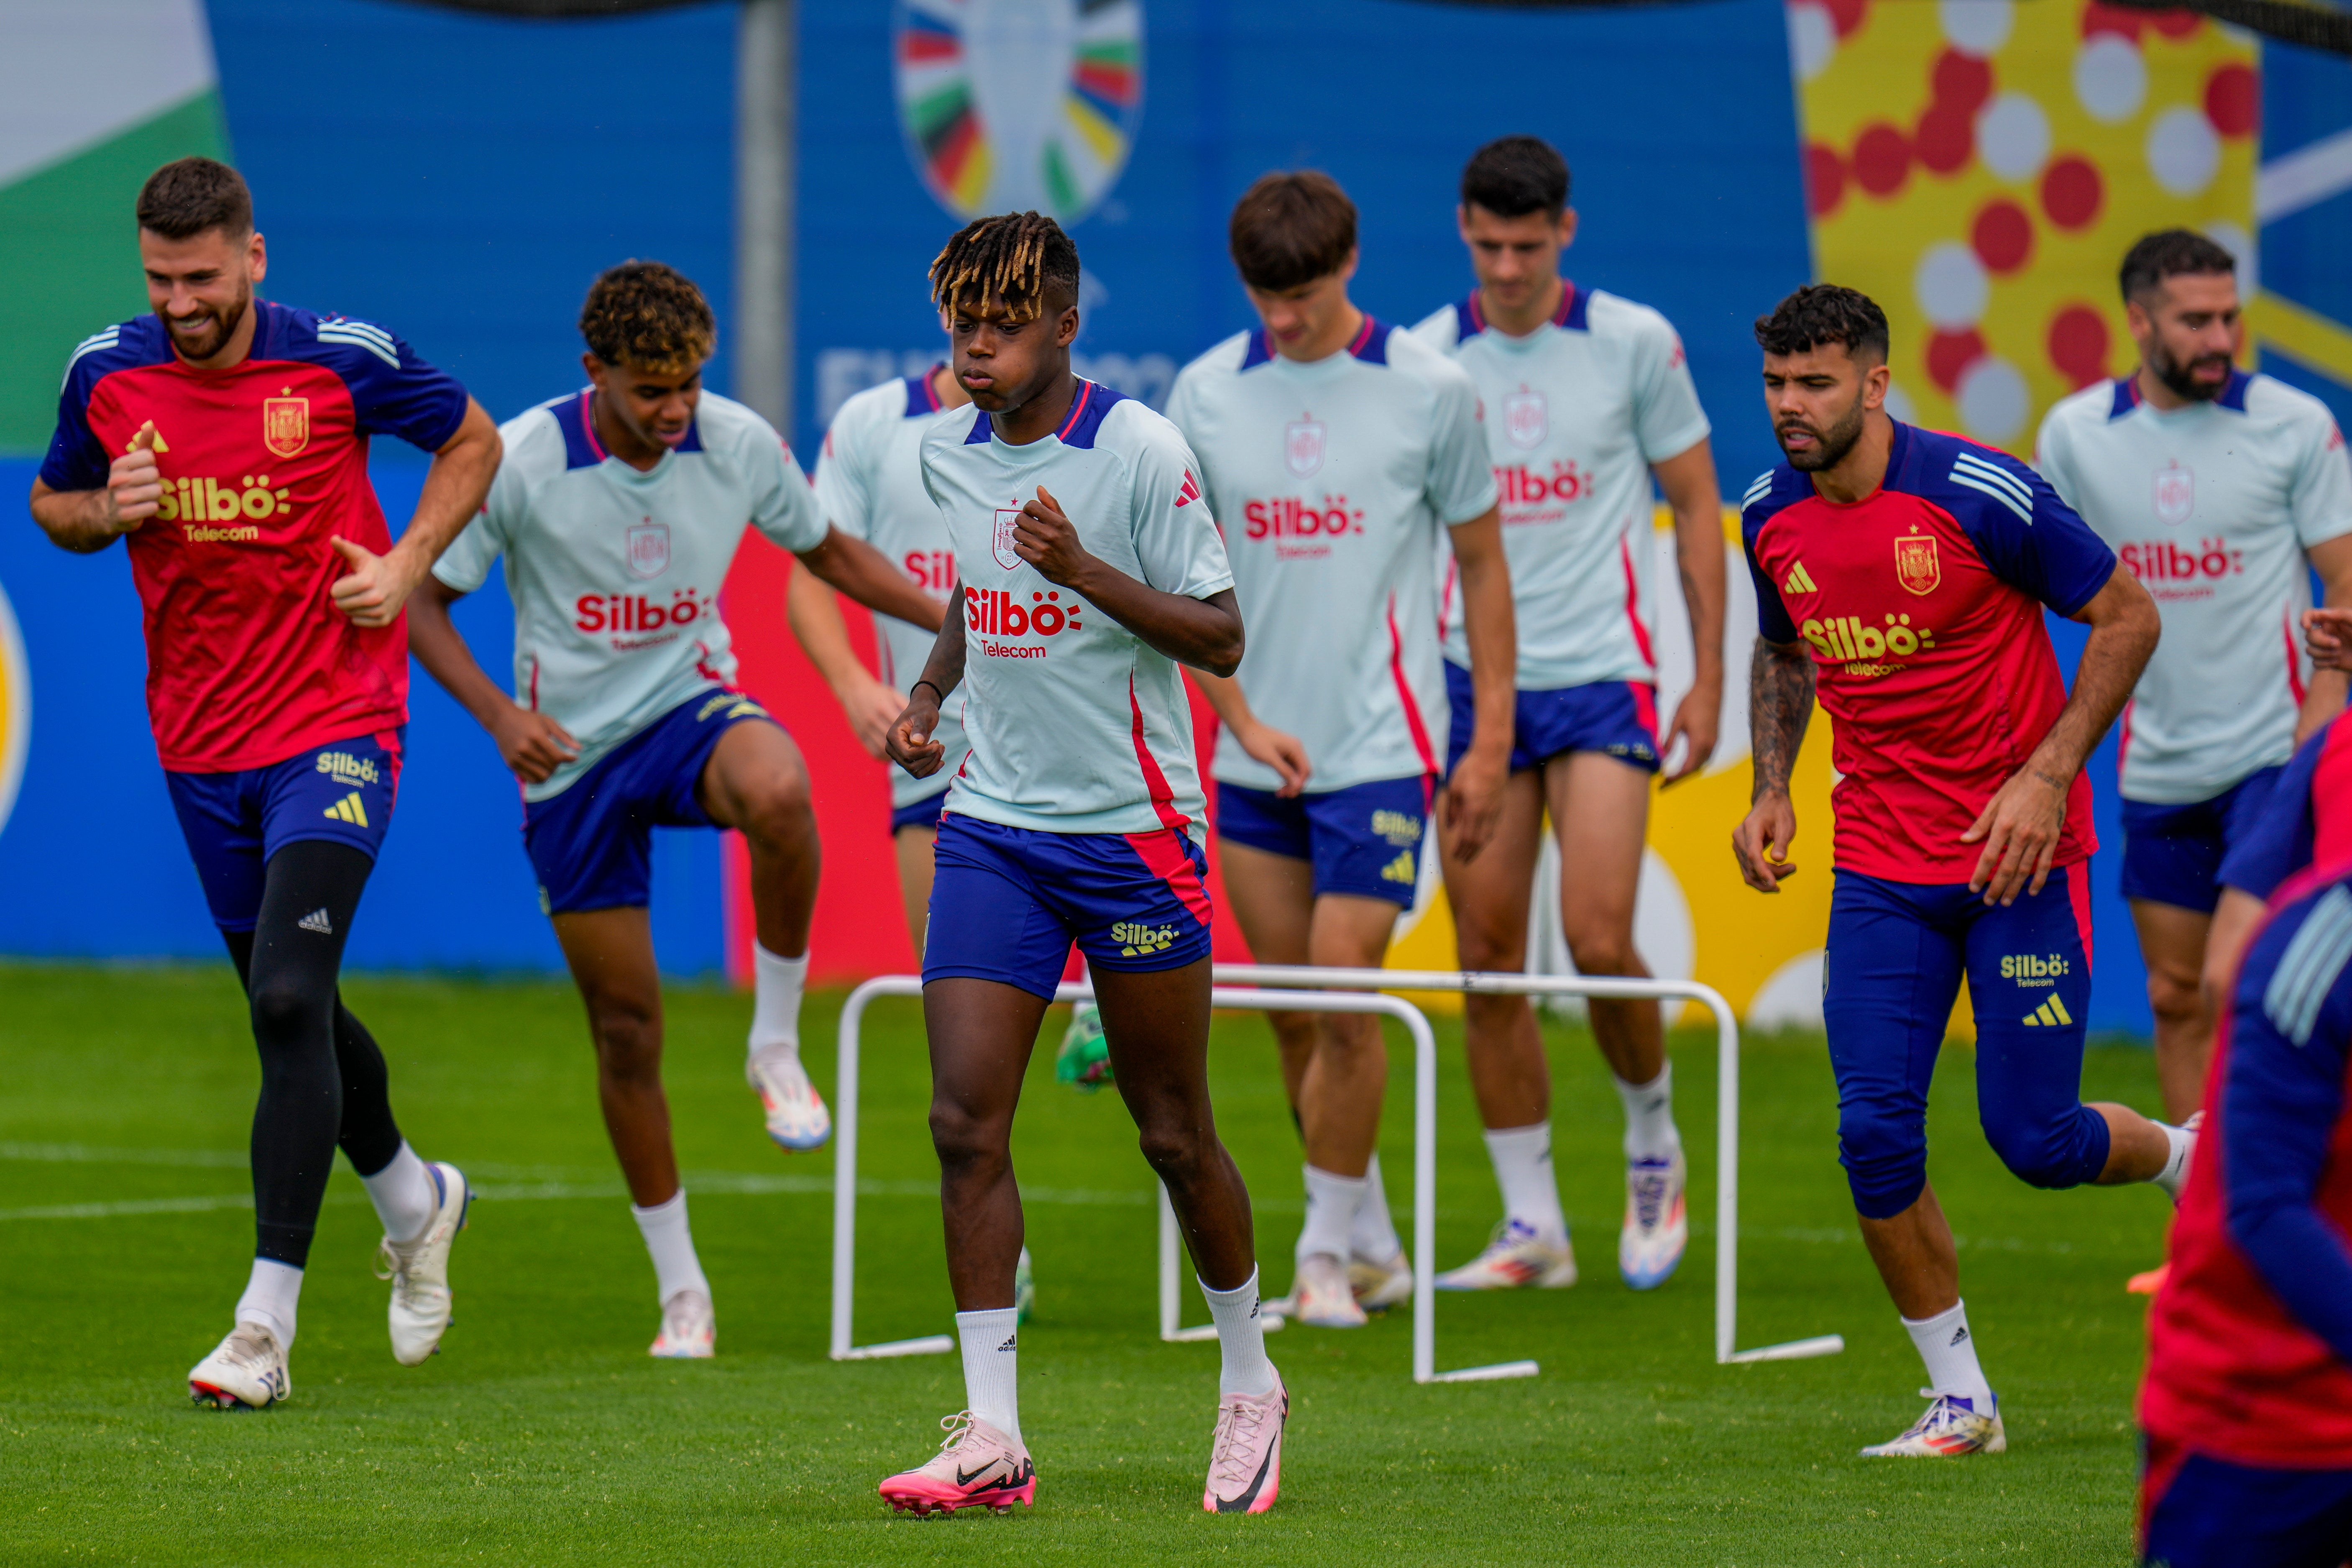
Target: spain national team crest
{"points": [[999, 543], [649, 548], [285, 424], [2176, 494], [1526, 420], [1915, 566], [1302, 445]]}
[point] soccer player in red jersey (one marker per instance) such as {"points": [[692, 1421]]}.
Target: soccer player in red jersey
{"points": [[225, 437], [1903, 574], [2247, 1404]]}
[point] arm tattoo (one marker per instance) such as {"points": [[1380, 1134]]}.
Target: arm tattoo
{"points": [[1780, 705]]}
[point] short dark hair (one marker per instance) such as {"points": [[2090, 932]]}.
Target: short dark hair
{"points": [[650, 316], [1822, 313], [187, 198], [1017, 258], [2170, 253], [1517, 176], [1288, 229]]}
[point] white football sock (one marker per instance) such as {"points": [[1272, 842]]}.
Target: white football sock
{"points": [[405, 1195], [1650, 1133], [1373, 1237], [270, 1297], [2175, 1175], [992, 1360], [1522, 1157], [671, 1241], [1331, 1205], [1242, 1336], [776, 1008], [1950, 1353]]}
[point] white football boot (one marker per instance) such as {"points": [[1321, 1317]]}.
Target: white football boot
{"points": [[797, 1119], [246, 1371], [1319, 1295], [1379, 1286], [1657, 1225], [1518, 1255], [419, 1270], [1952, 1428], [689, 1328]]}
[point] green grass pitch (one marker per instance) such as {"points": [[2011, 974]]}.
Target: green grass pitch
{"points": [[544, 1434]]}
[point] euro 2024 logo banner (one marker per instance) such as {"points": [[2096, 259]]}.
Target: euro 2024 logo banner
{"points": [[1010, 105]]}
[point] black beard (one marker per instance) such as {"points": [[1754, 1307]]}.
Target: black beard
{"points": [[2177, 377], [226, 324], [1835, 443]]}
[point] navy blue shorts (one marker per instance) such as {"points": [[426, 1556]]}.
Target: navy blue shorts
{"points": [[1616, 718], [923, 813], [593, 844], [1007, 902], [1896, 953], [1364, 839], [2197, 1511], [2172, 854], [235, 822]]}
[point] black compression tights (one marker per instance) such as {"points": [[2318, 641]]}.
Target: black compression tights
{"points": [[323, 1078]]}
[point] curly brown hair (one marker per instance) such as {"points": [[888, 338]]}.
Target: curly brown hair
{"points": [[648, 316], [1016, 258]]}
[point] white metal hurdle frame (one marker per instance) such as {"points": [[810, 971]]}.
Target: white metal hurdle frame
{"points": [[1424, 1174], [1280, 988]]}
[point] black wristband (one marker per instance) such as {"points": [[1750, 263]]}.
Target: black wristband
{"points": [[933, 685]]}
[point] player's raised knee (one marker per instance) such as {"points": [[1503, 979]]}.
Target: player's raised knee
{"points": [[776, 809], [2063, 1151]]}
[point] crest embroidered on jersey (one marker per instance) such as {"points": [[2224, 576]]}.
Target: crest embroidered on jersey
{"points": [[2176, 494], [1915, 566], [999, 543], [1302, 445], [649, 548], [1526, 420], [285, 424]]}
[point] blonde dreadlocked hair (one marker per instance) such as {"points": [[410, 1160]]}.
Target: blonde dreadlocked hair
{"points": [[1013, 257], [650, 316]]}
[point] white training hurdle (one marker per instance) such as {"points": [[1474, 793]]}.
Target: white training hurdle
{"points": [[1262, 988]]}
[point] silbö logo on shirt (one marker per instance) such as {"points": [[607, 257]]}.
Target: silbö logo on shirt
{"points": [[991, 612], [1852, 641], [202, 506], [636, 620]]}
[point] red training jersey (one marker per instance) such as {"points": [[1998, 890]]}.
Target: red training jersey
{"points": [[2250, 1341], [1922, 607], [248, 661]]}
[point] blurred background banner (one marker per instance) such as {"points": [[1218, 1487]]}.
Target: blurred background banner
{"points": [[460, 173]]}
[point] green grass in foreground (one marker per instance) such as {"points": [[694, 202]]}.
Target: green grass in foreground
{"points": [[544, 1434]]}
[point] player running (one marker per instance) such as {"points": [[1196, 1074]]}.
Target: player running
{"points": [[869, 485], [2221, 491], [619, 509], [1340, 452], [1588, 396], [1906, 572], [1087, 568], [2247, 1404], [227, 438]]}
